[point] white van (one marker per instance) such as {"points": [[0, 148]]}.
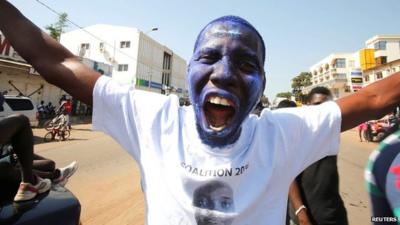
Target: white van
{"points": [[19, 105]]}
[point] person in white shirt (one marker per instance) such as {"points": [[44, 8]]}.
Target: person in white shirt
{"points": [[180, 149]]}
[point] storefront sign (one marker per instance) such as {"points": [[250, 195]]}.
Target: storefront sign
{"points": [[356, 87], [356, 79]]}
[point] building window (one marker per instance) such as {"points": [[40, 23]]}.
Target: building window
{"points": [[85, 46], [379, 75], [380, 45], [340, 76], [366, 78], [123, 67], [340, 63], [380, 60], [351, 63], [166, 75], [125, 44]]}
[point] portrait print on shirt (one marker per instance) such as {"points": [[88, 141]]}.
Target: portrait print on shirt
{"points": [[214, 204]]}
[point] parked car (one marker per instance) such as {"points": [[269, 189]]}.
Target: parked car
{"points": [[19, 105]]}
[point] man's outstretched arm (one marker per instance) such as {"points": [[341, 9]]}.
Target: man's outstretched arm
{"points": [[371, 102], [55, 63]]}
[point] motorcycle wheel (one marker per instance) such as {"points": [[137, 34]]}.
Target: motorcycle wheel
{"points": [[380, 136]]}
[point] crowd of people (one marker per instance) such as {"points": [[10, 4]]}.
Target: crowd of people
{"points": [[49, 111]]}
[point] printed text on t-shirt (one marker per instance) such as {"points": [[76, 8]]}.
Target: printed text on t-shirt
{"points": [[218, 172]]}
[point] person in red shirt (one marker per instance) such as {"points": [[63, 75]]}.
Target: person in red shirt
{"points": [[66, 106]]}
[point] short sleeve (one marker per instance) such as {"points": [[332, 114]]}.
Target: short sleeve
{"points": [[126, 114], [310, 133]]}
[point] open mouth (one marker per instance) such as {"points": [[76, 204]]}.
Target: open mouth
{"points": [[218, 111]]}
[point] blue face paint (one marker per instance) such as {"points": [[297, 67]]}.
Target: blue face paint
{"points": [[226, 79]]}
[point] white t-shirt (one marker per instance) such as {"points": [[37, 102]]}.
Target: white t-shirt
{"points": [[187, 182]]}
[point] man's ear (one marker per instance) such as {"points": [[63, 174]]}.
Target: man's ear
{"points": [[264, 83], [264, 80]]}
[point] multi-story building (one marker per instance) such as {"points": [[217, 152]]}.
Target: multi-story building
{"points": [[387, 48], [344, 73], [386, 57], [136, 58], [17, 77], [335, 72]]}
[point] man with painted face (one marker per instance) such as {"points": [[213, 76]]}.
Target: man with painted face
{"points": [[226, 78], [179, 149]]}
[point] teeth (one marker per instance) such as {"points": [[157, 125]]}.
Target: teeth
{"points": [[219, 101], [217, 128], [215, 100], [224, 102]]}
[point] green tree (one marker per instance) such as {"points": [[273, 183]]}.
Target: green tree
{"points": [[298, 83], [286, 95], [56, 29]]}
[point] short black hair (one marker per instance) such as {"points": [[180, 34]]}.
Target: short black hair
{"points": [[233, 19], [286, 103], [319, 90]]}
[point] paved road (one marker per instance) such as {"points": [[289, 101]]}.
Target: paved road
{"points": [[351, 163], [107, 182]]}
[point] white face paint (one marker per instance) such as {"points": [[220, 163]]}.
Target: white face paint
{"points": [[231, 32], [225, 31]]}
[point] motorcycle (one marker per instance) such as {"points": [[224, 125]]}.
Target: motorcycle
{"points": [[377, 131]]}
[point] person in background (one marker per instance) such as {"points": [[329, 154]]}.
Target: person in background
{"points": [[40, 107], [382, 176], [50, 110], [66, 107], [362, 131], [16, 130], [286, 103], [46, 168], [314, 194], [257, 110], [63, 98]]}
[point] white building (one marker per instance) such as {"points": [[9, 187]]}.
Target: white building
{"points": [[336, 72], [344, 73], [386, 57], [136, 58], [17, 77], [387, 48]]}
